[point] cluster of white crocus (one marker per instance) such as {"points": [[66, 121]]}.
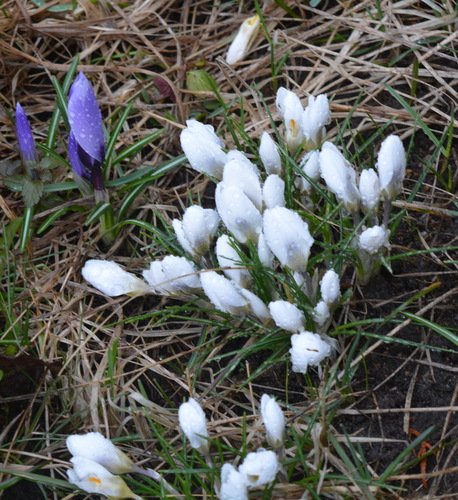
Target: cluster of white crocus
{"points": [[259, 468]]}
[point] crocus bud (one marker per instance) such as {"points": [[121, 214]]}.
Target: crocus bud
{"points": [[340, 177], [308, 349], [369, 188], [287, 315], [259, 468], [269, 154], [111, 279], [310, 165], [86, 141], [194, 425], [314, 119], [245, 176], [373, 240], [321, 313], [290, 108], [330, 287], [391, 166], [223, 293], [25, 138], [273, 191], [202, 148], [256, 305], [288, 237], [98, 448], [242, 41], [238, 213], [265, 255], [274, 421], [233, 486], [92, 477], [197, 229], [229, 260], [172, 275]]}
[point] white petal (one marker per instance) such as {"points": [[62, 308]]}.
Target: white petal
{"points": [[223, 294], [369, 187], [273, 191], [259, 468], [269, 154], [233, 486], [308, 349], [274, 420], [242, 41], [330, 287], [257, 306], [287, 315], [373, 240], [391, 166], [240, 174], [321, 313], [228, 259]]}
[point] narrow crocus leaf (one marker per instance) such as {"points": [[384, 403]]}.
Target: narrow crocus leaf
{"points": [[25, 137]]}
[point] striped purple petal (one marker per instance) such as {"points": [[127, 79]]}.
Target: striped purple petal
{"points": [[24, 136], [86, 119], [75, 160]]}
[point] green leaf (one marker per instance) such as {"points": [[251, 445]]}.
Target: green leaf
{"points": [[199, 80], [31, 191]]}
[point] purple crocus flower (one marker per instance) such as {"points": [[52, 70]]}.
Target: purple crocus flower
{"points": [[86, 142], [25, 138]]}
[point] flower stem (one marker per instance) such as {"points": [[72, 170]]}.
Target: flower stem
{"points": [[157, 477]]}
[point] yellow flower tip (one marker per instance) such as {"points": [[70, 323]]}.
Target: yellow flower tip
{"points": [[252, 20], [94, 480], [293, 126]]}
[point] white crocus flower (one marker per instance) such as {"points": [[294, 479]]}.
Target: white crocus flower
{"points": [[233, 485], [194, 425], [265, 255], [273, 191], [172, 275], [369, 188], [203, 148], [274, 421], [242, 41], [310, 165], [290, 108], [321, 313], [330, 287], [197, 229], [269, 154], [308, 349], [223, 293], [288, 237], [339, 176], [260, 468], [314, 119], [256, 305], [287, 315], [111, 279], [98, 448], [92, 477], [245, 176], [373, 240], [229, 260], [238, 213], [391, 166]]}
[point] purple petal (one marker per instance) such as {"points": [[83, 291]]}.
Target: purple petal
{"points": [[86, 119], [24, 136], [75, 160]]}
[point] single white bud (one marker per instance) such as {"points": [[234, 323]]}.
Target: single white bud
{"points": [[259, 468], [172, 275], [243, 39], [340, 177], [245, 176], [391, 166], [223, 293], [194, 425], [308, 349], [97, 448], [369, 188], [238, 213], [92, 477], [256, 305], [287, 315], [197, 229], [314, 119], [321, 313], [290, 108], [265, 255], [374, 239], [274, 421], [111, 279], [202, 148], [330, 287], [233, 485], [310, 165], [288, 237], [269, 154], [229, 260], [273, 191]]}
